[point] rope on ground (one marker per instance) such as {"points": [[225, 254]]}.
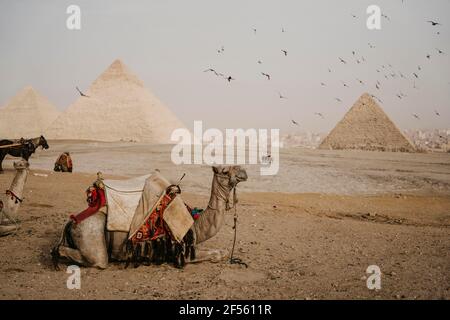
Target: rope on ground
{"points": [[236, 260]]}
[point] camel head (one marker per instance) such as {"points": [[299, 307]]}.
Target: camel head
{"points": [[230, 176], [43, 142], [21, 164]]}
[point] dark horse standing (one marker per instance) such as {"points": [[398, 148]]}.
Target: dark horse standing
{"points": [[25, 150]]}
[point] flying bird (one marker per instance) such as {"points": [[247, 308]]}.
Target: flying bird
{"points": [[281, 96], [376, 98], [415, 116], [360, 81], [342, 60], [285, 52], [266, 75], [254, 30], [230, 78], [434, 23], [319, 114], [259, 62], [209, 70], [221, 50], [428, 56], [214, 71], [295, 122], [322, 84], [81, 93], [415, 75], [437, 113], [344, 84], [338, 100], [440, 51]]}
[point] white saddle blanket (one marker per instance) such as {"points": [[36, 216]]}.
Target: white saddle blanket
{"points": [[130, 202], [122, 198]]}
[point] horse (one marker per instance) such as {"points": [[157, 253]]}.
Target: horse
{"points": [[25, 150]]}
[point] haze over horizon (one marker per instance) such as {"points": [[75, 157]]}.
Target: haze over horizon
{"points": [[168, 45]]}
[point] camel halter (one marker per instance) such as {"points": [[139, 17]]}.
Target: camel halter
{"points": [[224, 194], [14, 196]]}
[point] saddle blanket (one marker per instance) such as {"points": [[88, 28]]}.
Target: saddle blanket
{"points": [[176, 215], [122, 197]]}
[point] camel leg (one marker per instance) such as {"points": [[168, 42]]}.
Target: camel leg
{"points": [[211, 255], [7, 229], [72, 254], [2, 156]]}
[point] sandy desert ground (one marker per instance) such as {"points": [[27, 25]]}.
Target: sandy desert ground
{"points": [[308, 233]]}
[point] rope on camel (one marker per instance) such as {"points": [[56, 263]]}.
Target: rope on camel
{"points": [[235, 260]]}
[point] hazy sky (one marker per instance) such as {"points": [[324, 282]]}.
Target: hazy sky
{"points": [[169, 43]]}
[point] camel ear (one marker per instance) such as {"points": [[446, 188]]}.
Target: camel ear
{"points": [[215, 169]]}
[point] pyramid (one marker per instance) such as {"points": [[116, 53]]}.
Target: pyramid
{"points": [[118, 108], [27, 115], [366, 127]]}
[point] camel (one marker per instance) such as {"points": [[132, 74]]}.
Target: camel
{"points": [[88, 244], [12, 199]]}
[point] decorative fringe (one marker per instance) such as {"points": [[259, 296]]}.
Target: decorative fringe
{"points": [[161, 250]]}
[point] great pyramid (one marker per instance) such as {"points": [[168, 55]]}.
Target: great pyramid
{"points": [[27, 115], [366, 127], [118, 108]]}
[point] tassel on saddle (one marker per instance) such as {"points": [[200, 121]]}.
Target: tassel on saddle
{"points": [[161, 250], [154, 243]]}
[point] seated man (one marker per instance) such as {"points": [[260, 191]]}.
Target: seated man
{"points": [[64, 163]]}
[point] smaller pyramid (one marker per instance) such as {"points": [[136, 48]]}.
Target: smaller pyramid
{"points": [[26, 115], [366, 127]]}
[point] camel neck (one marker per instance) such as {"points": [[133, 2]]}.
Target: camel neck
{"points": [[12, 204], [211, 220]]}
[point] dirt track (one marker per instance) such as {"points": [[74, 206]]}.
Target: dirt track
{"points": [[297, 246]]}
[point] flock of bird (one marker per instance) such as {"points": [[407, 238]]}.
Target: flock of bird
{"points": [[387, 71]]}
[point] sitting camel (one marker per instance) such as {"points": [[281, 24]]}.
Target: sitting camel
{"points": [[12, 199], [88, 244]]}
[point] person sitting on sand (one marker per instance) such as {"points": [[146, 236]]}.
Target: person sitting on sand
{"points": [[64, 163]]}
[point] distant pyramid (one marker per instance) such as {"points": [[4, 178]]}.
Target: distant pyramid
{"points": [[365, 126], [26, 115], [118, 108]]}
